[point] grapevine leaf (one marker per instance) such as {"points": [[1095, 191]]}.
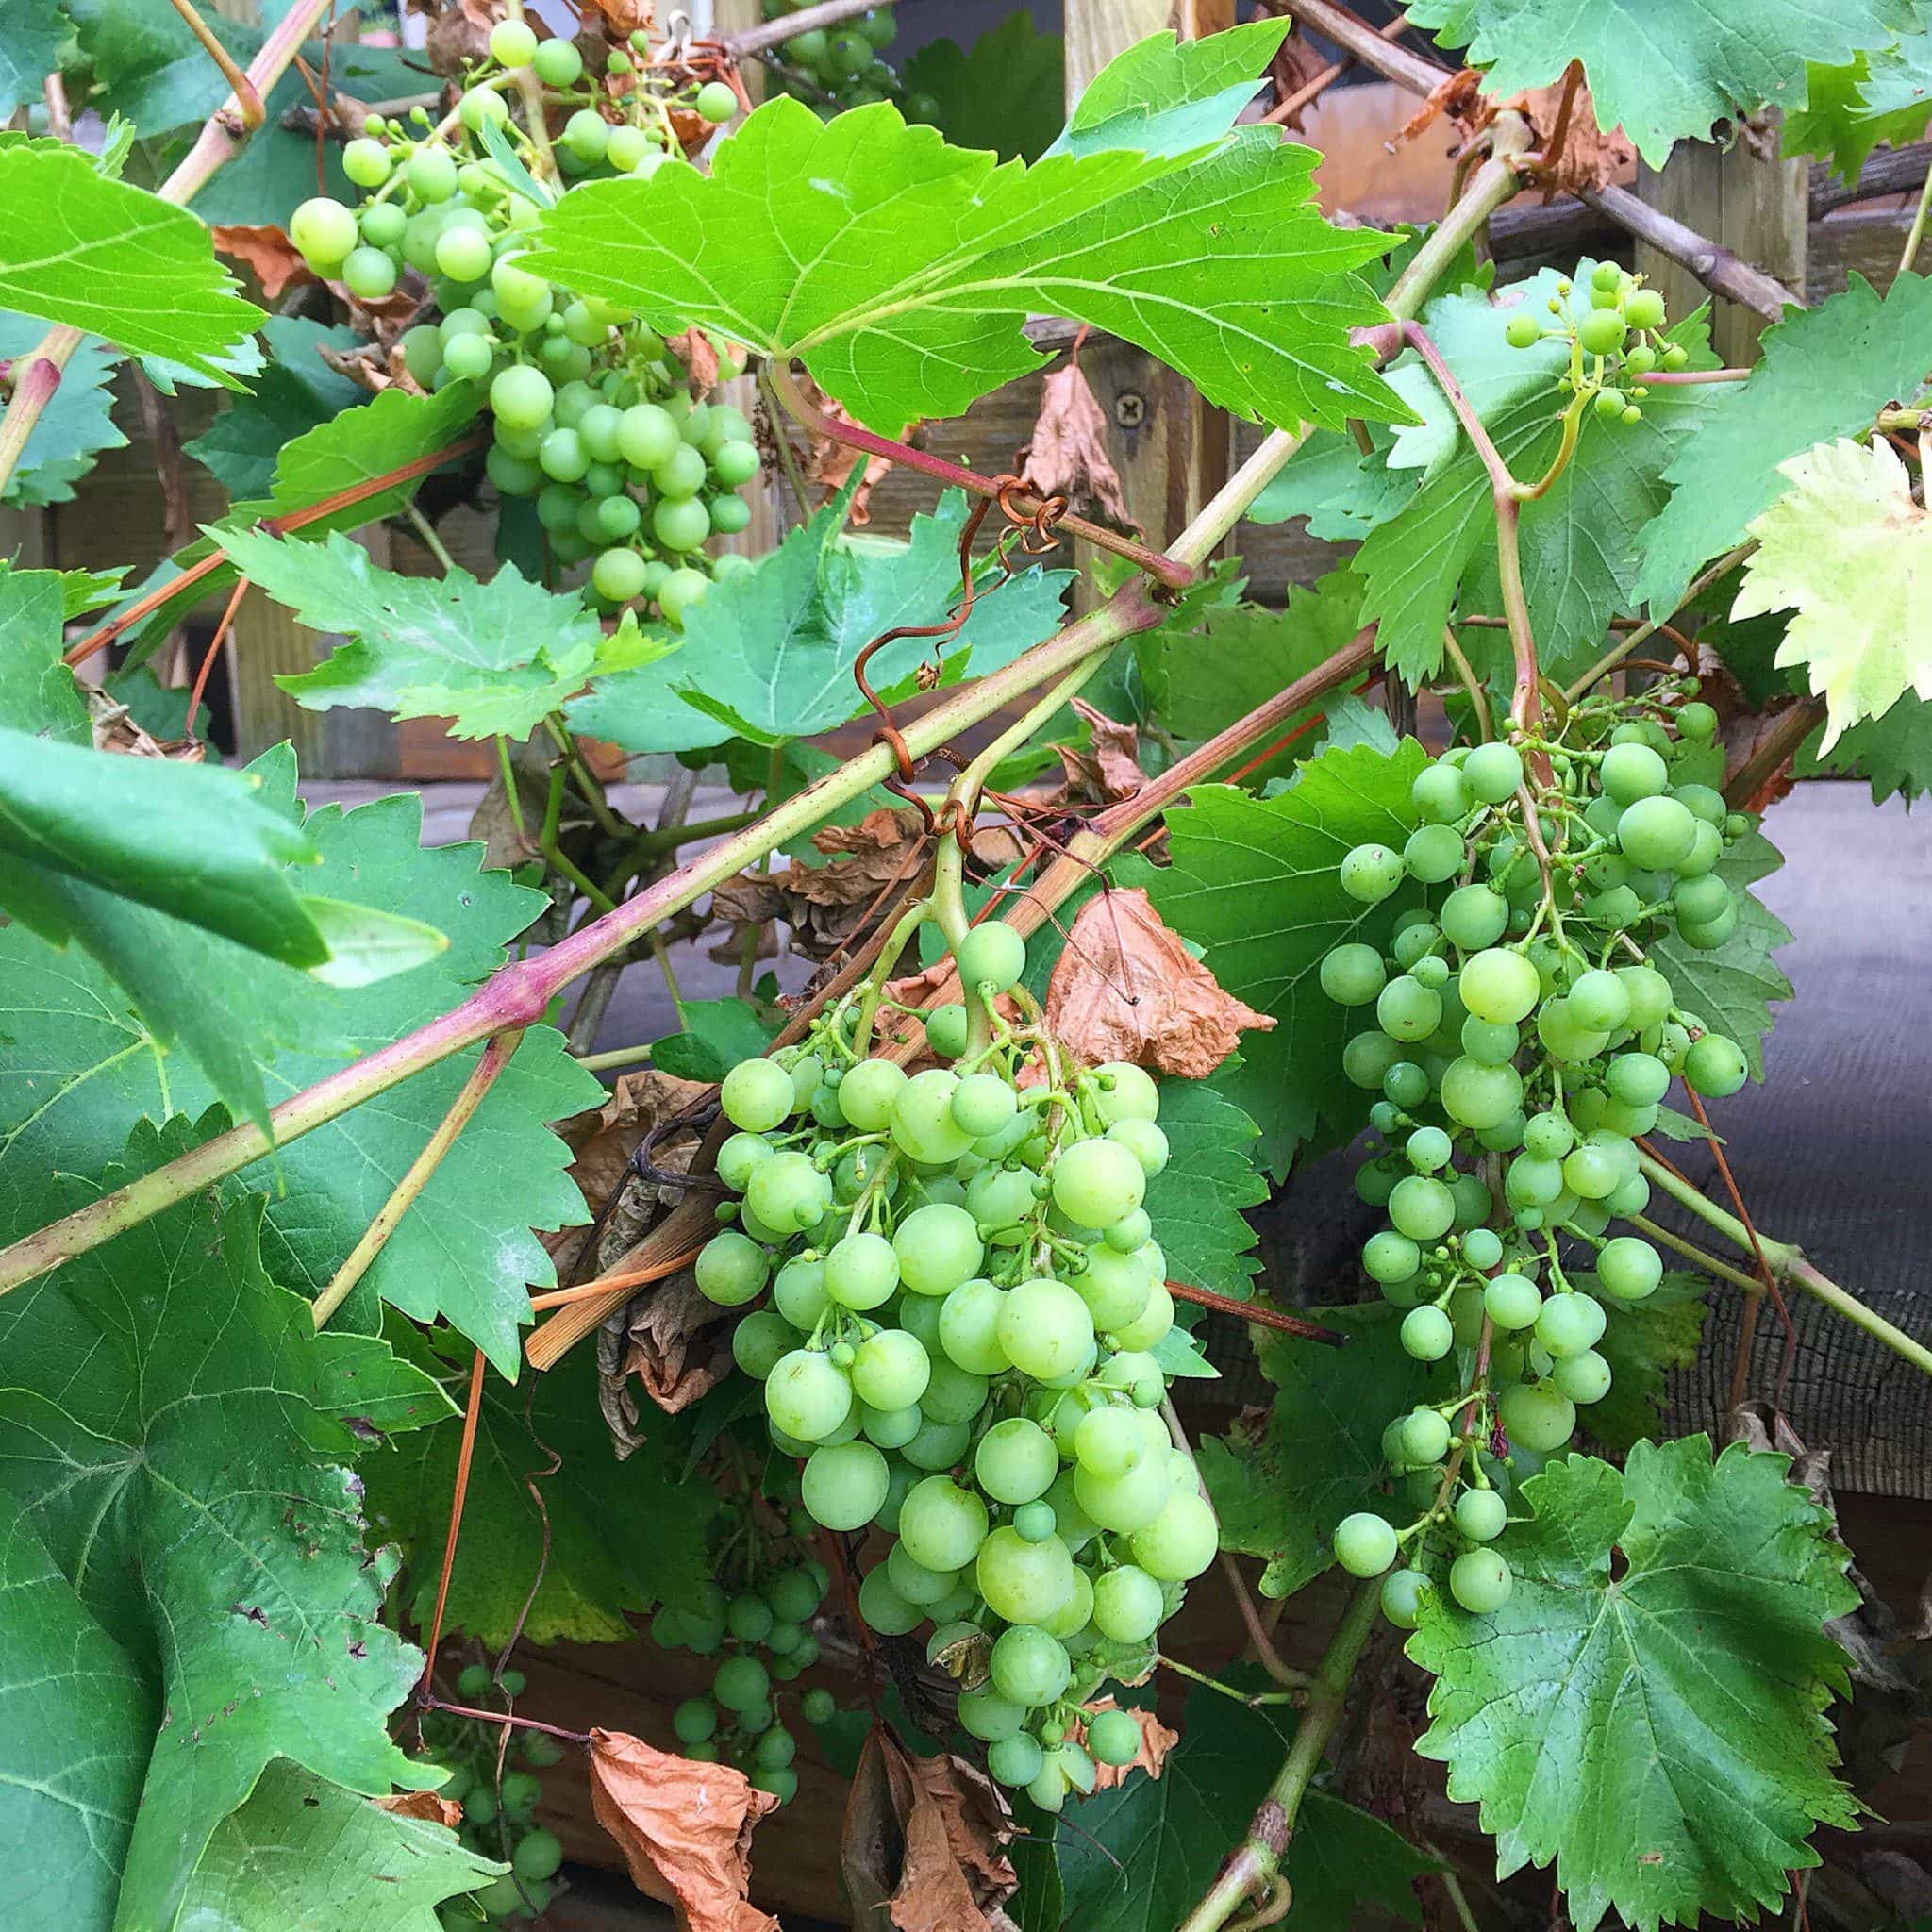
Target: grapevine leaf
{"points": [[1641, 1342], [1197, 1198], [1732, 988], [908, 266], [495, 659], [114, 260], [1892, 751], [1850, 551], [190, 1486], [768, 654], [1169, 96], [304, 1855], [465, 1249], [30, 43], [78, 1722], [1660, 1733], [1583, 542], [1256, 884], [1147, 1849], [73, 429], [1280, 1490], [1005, 92], [1659, 70], [716, 1035], [296, 392], [1249, 654], [1826, 371], [379, 438], [38, 693], [622, 1536], [1884, 97]]}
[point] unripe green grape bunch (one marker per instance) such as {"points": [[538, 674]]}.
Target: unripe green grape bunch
{"points": [[499, 1814], [753, 1613], [959, 1294], [833, 68], [1613, 324], [1517, 1042], [593, 415]]}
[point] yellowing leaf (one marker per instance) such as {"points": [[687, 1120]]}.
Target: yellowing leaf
{"points": [[1849, 550]]}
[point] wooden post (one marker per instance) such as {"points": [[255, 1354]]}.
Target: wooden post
{"points": [[1171, 449], [1755, 204]]}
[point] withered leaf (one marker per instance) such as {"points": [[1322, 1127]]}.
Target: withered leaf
{"points": [[923, 1843], [692, 347], [266, 251], [827, 905], [683, 1828], [1127, 989], [680, 1343], [1588, 157], [1156, 1740], [1068, 455], [1296, 62], [423, 1805], [116, 730], [831, 463], [1109, 769]]}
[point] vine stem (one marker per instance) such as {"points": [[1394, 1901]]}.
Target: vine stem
{"points": [[494, 1058], [1644, 632], [771, 33], [1786, 1263], [519, 996], [240, 86], [1257, 1862], [221, 138]]}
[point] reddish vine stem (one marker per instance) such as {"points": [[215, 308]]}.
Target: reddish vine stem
{"points": [[505, 1718], [1163, 568], [1258, 1313], [214, 650], [460, 1492], [621, 1283], [252, 111]]}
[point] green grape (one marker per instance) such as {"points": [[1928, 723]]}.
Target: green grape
{"points": [[922, 1127], [680, 524], [991, 953], [756, 1096], [1369, 872], [1403, 1591], [1029, 1666], [1630, 771], [1715, 1066], [969, 1327], [868, 1091], [1181, 1541], [1424, 1436], [1407, 1011], [730, 1268], [938, 1245], [982, 1104], [1536, 1415], [1569, 1323], [1657, 833], [883, 1609], [806, 1396], [844, 1485], [1127, 1604], [717, 101], [892, 1369], [1422, 1207], [1598, 1001], [680, 592], [890, 1429], [1584, 1378], [1149, 1146], [1479, 1581], [1016, 1461], [1116, 1285], [1427, 1334], [646, 436], [945, 1031], [1480, 1515], [749, 1618], [520, 397], [1433, 854], [1020, 1581], [1096, 1183], [952, 1395], [760, 1342], [1045, 1328], [1474, 916], [740, 1684], [618, 575], [1512, 1301], [1480, 1096], [941, 1524], [862, 1271], [819, 1706], [1482, 1247], [1493, 772], [1499, 986], [1364, 1543], [790, 1195], [1629, 1268], [1521, 332], [1353, 975], [1015, 1760], [1114, 1736]]}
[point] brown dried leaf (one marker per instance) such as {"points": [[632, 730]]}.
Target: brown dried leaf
{"points": [[924, 1843], [268, 254], [623, 17], [683, 1828], [1109, 769], [116, 729], [680, 1343], [1127, 989], [1068, 455], [1156, 1740], [1589, 156], [458, 36], [423, 1805], [1296, 62], [692, 347]]}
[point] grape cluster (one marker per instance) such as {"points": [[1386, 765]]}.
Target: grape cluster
{"points": [[965, 1293], [593, 410], [754, 1612], [498, 1815], [1520, 1041], [1614, 343], [838, 67]]}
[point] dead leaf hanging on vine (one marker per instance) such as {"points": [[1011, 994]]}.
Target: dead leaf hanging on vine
{"points": [[266, 251], [1108, 770], [683, 1828], [1068, 455], [831, 464], [1156, 1740], [1127, 989]]}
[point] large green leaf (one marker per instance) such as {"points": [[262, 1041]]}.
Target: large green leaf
{"points": [[900, 269], [166, 1428], [1732, 987], [607, 1538], [31, 38], [1647, 1708], [73, 429], [495, 659], [1825, 373], [79, 1723], [1256, 884], [1135, 1858], [1168, 96], [768, 654], [79, 1059], [114, 260], [38, 693], [351, 450], [1280, 1489], [296, 392], [1196, 1199], [1883, 97], [1005, 91], [1658, 70], [306, 1855], [1893, 752], [1582, 543]]}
